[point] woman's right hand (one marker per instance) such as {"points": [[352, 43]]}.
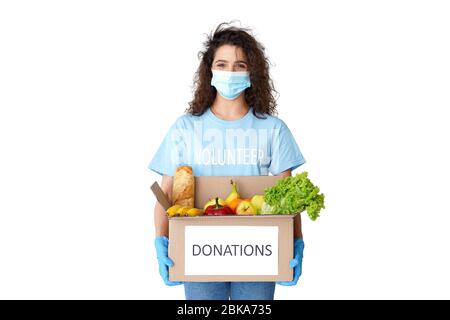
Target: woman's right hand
{"points": [[162, 253]]}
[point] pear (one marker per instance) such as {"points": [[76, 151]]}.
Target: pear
{"points": [[233, 194]]}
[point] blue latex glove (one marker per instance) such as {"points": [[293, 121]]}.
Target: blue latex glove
{"points": [[162, 253], [296, 263]]}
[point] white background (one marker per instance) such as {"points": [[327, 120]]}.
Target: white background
{"points": [[236, 263], [89, 88]]}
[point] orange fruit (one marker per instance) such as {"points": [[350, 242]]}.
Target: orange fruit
{"points": [[234, 203]]}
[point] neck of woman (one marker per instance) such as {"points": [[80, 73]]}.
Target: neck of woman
{"points": [[230, 109]]}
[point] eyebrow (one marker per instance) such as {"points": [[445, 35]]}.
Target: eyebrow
{"points": [[238, 61]]}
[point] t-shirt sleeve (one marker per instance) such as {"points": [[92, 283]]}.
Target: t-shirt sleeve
{"points": [[285, 151], [170, 153]]}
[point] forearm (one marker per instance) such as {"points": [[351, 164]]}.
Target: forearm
{"points": [[161, 222], [298, 227]]}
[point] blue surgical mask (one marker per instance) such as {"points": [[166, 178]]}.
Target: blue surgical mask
{"points": [[230, 84]]}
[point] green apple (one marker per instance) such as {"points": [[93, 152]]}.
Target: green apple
{"points": [[257, 202]]}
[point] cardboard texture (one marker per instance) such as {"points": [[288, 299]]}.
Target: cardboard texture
{"points": [[160, 196], [207, 187]]}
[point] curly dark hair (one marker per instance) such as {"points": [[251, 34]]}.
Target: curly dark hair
{"points": [[261, 94]]}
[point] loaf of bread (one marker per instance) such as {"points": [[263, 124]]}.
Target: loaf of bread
{"points": [[183, 187]]}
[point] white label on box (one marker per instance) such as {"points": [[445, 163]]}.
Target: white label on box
{"points": [[231, 250]]}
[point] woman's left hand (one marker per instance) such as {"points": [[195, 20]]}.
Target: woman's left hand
{"points": [[295, 263]]}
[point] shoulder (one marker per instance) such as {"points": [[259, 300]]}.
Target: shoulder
{"points": [[185, 120], [271, 121]]}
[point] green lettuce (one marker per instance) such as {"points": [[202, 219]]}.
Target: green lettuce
{"points": [[295, 194]]}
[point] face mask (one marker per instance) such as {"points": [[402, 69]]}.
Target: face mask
{"points": [[230, 84]]}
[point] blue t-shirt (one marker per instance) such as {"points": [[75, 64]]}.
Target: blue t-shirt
{"points": [[215, 147]]}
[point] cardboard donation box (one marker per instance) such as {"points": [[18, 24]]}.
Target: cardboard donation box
{"points": [[229, 247]]}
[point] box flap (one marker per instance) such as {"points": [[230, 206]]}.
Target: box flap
{"points": [[160, 196]]}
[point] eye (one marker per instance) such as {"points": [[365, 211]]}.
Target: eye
{"points": [[221, 65]]}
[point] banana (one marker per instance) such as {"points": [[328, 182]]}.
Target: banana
{"points": [[183, 210], [172, 211], [194, 212]]}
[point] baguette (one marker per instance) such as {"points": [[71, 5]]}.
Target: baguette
{"points": [[183, 187]]}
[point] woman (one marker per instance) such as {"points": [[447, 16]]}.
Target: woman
{"points": [[229, 129]]}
